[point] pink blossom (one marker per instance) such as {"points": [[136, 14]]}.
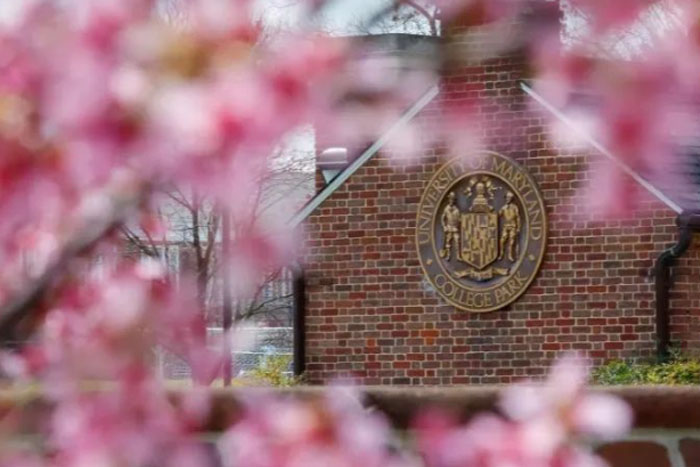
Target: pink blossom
{"points": [[335, 431], [101, 102], [606, 15], [542, 421], [563, 395]]}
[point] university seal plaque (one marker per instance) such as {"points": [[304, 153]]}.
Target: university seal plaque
{"points": [[481, 231]]}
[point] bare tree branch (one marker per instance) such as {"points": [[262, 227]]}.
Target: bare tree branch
{"points": [[430, 17], [179, 198], [131, 237]]}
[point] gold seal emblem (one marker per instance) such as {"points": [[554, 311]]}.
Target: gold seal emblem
{"points": [[481, 231]]}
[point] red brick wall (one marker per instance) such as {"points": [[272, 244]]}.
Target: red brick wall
{"points": [[685, 301], [371, 314]]}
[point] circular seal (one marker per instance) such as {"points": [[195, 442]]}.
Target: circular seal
{"points": [[481, 231]]}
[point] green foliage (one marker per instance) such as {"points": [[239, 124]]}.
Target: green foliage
{"points": [[274, 371], [617, 372], [677, 371]]}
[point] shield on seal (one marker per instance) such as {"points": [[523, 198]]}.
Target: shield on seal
{"points": [[479, 238]]}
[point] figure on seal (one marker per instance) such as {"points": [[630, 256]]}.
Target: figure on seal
{"points": [[450, 220], [510, 215]]}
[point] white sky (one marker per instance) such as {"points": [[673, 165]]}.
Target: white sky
{"points": [[338, 17]]}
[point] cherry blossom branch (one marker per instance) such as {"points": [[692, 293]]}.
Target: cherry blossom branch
{"points": [[17, 317]]}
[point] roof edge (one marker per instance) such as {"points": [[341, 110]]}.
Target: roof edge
{"points": [[602, 149], [346, 173]]}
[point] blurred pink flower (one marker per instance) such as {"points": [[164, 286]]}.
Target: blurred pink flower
{"points": [[336, 431], [102, 102], [563, 400], [542, 421], [606, 15]]}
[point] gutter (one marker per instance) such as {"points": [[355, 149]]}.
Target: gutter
{"points": [[688, 223]]}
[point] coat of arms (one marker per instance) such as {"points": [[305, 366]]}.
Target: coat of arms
{"points": [[488, 228], [474, 236]]}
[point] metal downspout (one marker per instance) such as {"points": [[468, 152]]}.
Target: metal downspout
{"points": [[687, 224], [299, 316]]}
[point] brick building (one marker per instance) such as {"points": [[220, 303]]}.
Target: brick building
{"points": [[372, 314]]}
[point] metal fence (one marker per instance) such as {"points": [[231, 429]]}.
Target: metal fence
{"points": [[251, 346]]}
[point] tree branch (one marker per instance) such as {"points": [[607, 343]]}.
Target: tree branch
{"points": [[134, 239], [430, 17], [16, 324]]}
